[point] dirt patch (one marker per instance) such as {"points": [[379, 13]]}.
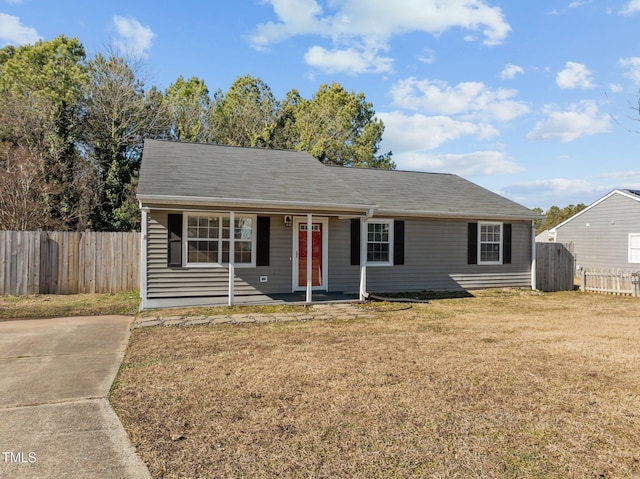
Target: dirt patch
{"points": [[507, 384]]}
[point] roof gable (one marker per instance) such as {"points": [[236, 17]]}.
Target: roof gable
{"points": [[632, 194]]}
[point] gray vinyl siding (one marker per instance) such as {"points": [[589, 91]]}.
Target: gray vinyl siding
{"points": [[604, 244], [435, 258], [166, 282]]}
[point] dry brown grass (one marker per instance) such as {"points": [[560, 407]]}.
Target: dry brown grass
{"points": [[55, 306], [509, 384]]}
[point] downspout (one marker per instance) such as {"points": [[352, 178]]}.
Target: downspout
{"points": [[363, 255], [232, 253], [533, 256], [143, 257]]}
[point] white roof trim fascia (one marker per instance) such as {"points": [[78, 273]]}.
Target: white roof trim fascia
{"points": [[235, 202], [449, 214], [597, 202]]}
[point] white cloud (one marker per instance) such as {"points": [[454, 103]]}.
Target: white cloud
{"points": [[134, 37], [419, 132], [579, 4], [348, 60], [428, 56], [565, 191], [12, 32], [297, 17], [632, 7], [478, 163], [574, 75], [582, 119], [373, 23], [632, 65], [510, 71], [472, 100], [615, 88]]}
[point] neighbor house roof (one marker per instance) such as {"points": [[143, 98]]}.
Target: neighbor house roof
{"points": [[632, 194], [200, 174]]}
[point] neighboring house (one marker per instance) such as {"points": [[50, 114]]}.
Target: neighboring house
{"points": [[225, 224], [606, 234], [545, 237]]}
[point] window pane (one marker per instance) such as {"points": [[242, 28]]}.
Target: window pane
{"points": [[490, 252], [202, 251], [225, 251], [225, 228], [377, 252], [192, 221], [242, 253], [378, 242], [243, 228]]}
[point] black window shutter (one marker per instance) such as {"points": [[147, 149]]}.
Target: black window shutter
{"points": [[398, 242], [262, 240], [506, 244], [472, 242], [355, 241], [174, 246]]}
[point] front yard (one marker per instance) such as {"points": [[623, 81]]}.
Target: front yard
{"points": [[507, 384]]}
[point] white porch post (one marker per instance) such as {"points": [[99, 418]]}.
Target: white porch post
{"points": [[309, 297], [533, 256], [143, 259], [232, 251], [363, 259]]}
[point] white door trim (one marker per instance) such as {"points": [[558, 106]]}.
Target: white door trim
{"points": [[297, 220]]}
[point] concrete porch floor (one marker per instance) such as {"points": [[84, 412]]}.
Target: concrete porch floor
{"points": [[283, 298]]}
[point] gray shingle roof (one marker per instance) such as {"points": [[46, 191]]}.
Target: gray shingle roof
{"points": [[430, 194], [273, 177], [234, 173]]}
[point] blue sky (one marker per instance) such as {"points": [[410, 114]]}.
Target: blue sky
{"points": [[533, 100]]}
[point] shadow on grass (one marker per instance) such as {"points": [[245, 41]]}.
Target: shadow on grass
{"points": [[427, 295]]}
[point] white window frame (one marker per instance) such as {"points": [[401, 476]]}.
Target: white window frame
{"points": [[366, 242], [220, 239], [633, 235], [480, 242]]}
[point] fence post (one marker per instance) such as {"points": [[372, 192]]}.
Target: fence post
{"points": [[635, 281], [583, 280]]}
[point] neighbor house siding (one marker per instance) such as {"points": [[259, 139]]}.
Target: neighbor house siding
{"points": [[177, 282], [600, 235], [435, 254]]}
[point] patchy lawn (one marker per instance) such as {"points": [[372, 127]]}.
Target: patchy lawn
{"points": [[55, 306], [509, 384]]}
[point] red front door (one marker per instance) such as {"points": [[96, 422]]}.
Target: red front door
{"points": [[316, 254]]}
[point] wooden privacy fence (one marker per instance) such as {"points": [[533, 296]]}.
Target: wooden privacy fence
{"points": [[555, 266], [46, 262], [611, 281]]}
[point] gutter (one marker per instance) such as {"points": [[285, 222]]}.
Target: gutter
{"points": [[244, 203], [457, 215]]}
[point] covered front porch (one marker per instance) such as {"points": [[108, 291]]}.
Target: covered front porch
{"points": [[284, 253]]}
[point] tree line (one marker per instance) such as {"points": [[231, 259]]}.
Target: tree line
{"points": [[72, 130], [556, 215]]}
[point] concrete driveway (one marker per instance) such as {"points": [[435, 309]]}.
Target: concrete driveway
{"points": [[55, 420]]}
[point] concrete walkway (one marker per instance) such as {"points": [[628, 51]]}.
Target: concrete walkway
{"points": [[55, 420], [339, 311]]}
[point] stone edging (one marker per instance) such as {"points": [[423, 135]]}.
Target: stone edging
{"points": [[318, 312]]}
